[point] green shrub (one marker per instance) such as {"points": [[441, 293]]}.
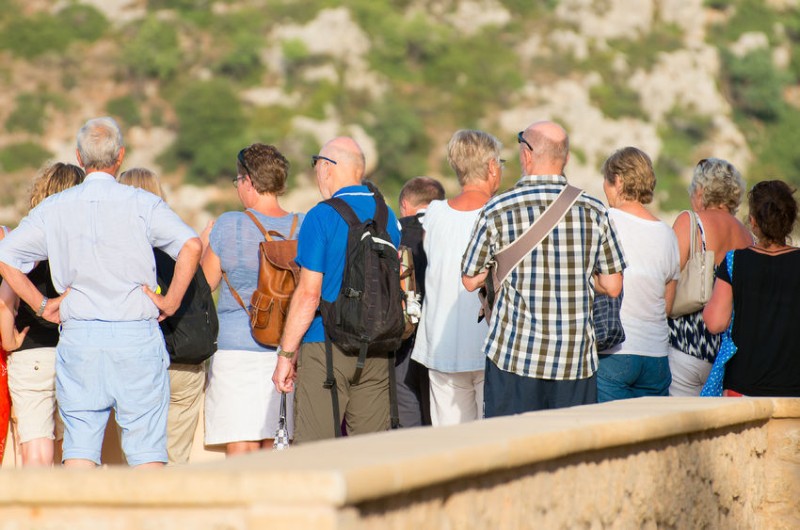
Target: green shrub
{"points": [[152, 50], [29, 114], [680, 134], [402, 142], [23, 155], [32, 36], [754, 85], [617, 100], [126, 108], [210, 130]]}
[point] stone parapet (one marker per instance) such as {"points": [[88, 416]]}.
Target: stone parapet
{"points": [[650, 462]]}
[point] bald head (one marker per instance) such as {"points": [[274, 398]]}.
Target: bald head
{"points": [[349, 158], [548, 151]]}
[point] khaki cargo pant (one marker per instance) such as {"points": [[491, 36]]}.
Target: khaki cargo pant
{"points": [[365, 406]]}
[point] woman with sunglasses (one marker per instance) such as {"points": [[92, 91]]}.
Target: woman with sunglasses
{"points": [[716, 191], [242, 407]]}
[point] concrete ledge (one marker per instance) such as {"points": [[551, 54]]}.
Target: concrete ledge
{"points": [[331, 476]]}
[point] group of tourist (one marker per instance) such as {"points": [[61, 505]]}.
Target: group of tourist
{"points": [[80, 305]]}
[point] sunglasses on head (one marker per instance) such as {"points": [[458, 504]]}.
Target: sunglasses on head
{"points": [[521, 140], [317, 158]]}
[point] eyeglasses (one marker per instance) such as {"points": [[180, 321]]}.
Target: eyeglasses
{"points": [[240, 158], [317, 158], [236, 181], [502, 162], [522, 140]]}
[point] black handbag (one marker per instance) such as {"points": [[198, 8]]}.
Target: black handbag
{"points": [[608, 330]]}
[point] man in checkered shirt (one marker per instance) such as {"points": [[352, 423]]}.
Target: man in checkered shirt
{"points": [[540, 347]]}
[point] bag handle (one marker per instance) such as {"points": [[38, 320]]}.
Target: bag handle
{"points": [[507, 259]]}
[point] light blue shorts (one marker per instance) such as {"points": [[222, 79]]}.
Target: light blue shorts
{"points": [[119, 365]]}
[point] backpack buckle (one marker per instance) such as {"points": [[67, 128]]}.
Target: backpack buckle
{"points": [[352, 293]]}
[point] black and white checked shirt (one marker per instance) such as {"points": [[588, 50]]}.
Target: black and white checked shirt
{"points": [[542, 323]]}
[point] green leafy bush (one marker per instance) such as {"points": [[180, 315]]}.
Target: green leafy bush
{"points": [[125, 108], [32, 36], [755, 85], [152, 50], [29, 114], [23, 155], [617, 100], [210, 130]]}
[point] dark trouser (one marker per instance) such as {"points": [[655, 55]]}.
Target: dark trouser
{"points": [[506, 393], [413, 388], [365, 406]]}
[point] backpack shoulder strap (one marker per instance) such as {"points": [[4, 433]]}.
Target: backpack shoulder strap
{"points": [[234, 293], [343, 209], [381, 216], [259, 225], [508, 258]]}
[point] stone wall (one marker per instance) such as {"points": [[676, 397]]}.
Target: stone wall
{"points": [[646, 463]]}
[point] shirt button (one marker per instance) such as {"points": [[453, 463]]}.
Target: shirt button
{"points": [[36, 366]]}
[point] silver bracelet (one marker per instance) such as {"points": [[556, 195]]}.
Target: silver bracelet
{"points": [[40, 311]]}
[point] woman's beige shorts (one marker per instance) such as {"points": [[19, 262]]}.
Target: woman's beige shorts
{"points": [[32, 382]]}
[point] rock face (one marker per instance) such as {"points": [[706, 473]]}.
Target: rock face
{"points": [[588, 45]]}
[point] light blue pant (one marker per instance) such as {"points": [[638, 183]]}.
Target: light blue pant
{"points": [[119, 365]]}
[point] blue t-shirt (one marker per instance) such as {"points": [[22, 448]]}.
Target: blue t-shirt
{"points": [[234, 239], [322, 244]]}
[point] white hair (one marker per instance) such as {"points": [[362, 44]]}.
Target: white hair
{"points": [[99, 143]]}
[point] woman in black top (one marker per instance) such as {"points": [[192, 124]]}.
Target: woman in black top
{"points": [[31, 368], [764, 298]]}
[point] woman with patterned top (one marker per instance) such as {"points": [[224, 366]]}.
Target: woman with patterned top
{"points": [[31, 342], [716, 191]]}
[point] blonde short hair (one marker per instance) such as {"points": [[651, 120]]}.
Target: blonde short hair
{"points": [[635, 169], [721, 183], [143, 178], [469, 153], [55, 178]]}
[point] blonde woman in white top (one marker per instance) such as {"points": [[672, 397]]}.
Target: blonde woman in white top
{"points": [[639, 366], [450, 339]]}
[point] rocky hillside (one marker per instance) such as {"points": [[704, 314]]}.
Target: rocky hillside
{"points": [[193, 81]]}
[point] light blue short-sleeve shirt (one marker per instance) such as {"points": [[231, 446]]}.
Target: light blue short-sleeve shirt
{"points": [[98, 237], [234, 239]]}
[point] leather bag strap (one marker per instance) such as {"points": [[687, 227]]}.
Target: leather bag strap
{"points": [[234, 293], [507, 259]]}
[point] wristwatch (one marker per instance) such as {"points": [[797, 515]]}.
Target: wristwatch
{"points": [[283, 353], [40, 311]]}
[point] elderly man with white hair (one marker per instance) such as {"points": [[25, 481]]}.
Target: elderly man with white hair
{"points": [[98, 237]]}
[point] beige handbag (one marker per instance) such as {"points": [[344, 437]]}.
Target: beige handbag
{"points": [[697, 277]]}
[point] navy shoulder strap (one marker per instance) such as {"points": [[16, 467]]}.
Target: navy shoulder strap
{"points": [[381, 216]]}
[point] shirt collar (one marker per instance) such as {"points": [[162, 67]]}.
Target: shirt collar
{"points": [[99, 175], [353, 190], [536, 180]]}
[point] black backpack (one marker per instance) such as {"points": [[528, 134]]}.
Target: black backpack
{"points": [[367, 316], [191, 333]]}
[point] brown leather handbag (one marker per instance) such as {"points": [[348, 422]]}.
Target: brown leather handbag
{"points": [[278, 275]]}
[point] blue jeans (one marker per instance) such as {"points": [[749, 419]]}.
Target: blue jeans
{"points": [[622, 376]]}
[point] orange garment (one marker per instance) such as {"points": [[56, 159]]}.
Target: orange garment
{"points": [[5, 402]]}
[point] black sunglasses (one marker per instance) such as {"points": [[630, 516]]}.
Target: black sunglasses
{"points": [[317, 158], [522, 140], [240, 158]]}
